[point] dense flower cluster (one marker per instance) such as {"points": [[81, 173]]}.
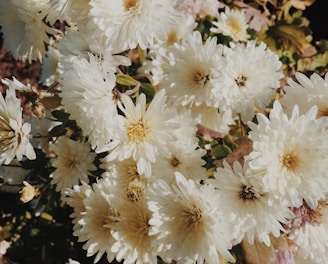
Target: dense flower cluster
{"points": [[151, 102]]}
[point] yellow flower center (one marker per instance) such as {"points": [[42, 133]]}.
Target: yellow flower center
{"points": [[171, 37], [128, 4], [138, 131], [234, 26], [289, 161], [135, 191]]}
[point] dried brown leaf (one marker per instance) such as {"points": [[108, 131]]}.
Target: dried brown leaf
{"points": [[245, 146], [258, 253]]}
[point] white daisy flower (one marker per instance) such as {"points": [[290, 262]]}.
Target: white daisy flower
{"points": [[291, 151], [309, 234], [133, 241], [98, 222], [232, 23], [129, 184], [249, 74], [200, 8], [69, 11], [14, 133], [146, 131], [74, 198], [77, 43], [191, 74], [90, 99], [25, 33], [129, 23], [253, 212], [306, 93], [211, 117], [188, 221], [184, 158], [159, 53], [73, 162]]}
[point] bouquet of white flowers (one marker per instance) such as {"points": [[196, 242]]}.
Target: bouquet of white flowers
{"points": [[177, 131]]}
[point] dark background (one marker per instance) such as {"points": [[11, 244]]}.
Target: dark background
{"points": [[318, 16]]}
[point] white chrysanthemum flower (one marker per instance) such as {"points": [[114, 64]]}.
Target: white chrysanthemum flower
{"points": [[73, 162], [253, 212], [306, 93], [127, 182], [74, 198], [77, 43], [188, 221], [200, 8], [191, 73], [184, 158], [50, 72], [249, 74], [89, 97], [159, 53], [25, 33], [232, 23], [98, 222], [14, 133], [129, 23], [134, 243], [69, 11], [310, 239], [146, 132], [292, 152], [211, 117]]}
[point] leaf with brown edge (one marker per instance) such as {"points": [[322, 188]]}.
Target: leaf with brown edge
{"points": [[258, 253], [51, 102], [245, 146]]}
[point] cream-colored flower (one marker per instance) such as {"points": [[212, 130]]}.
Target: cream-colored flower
{"points": [[292, 152], [146, 131], [73, 162], [24, 29], [189, 222], [305, 93], [134, 243], [232, 23], [129, 23], [28, 192], [14, 133], [98, 222]]}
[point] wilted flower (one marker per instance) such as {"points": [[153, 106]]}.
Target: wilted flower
{"points": [[28, 192]]}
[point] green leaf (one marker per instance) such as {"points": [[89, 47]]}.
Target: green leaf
{"points": [[57, 131], [218, 150], [149, 90], [229, 142], [60, 115], [125, 79]]}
